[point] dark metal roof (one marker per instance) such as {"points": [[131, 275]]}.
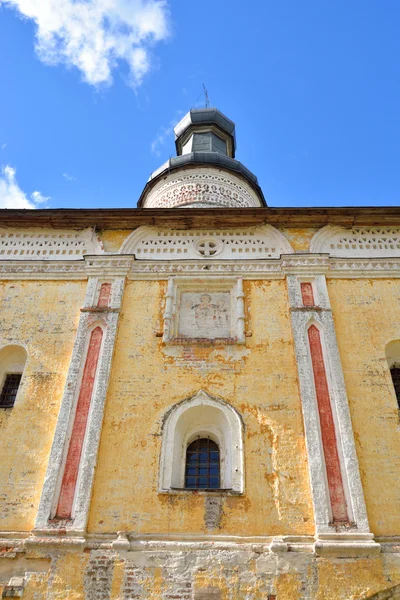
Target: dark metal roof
{"points": [[206, 116]]}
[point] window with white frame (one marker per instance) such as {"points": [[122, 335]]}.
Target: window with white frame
{"points": [[202, 446], [12, 364]]}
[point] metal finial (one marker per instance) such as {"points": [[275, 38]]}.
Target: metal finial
{"points": [[206, 98]]}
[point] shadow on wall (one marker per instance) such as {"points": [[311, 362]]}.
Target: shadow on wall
{"points": [[390, 594]]}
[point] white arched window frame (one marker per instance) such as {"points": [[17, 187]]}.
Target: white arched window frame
{"points": [[392, 354], [198, 417], [12, 361]]}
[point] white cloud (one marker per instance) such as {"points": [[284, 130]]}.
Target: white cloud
{"points": [[160, 139], [38, 198], [4, 146], [95, 35], [164, 133], [69, 177], [11, 195]]}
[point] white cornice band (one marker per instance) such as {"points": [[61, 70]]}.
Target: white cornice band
{"points": [[127, 266]]}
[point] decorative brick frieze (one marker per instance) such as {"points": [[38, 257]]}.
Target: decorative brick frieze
{"points": [[201, 186], [47, 244], [151, 243], [68, 482], [357, 242]]}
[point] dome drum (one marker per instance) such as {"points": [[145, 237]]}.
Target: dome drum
{"points": [[199, 187]]}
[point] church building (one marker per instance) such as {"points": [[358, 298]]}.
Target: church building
{"points": [[199, 397]]}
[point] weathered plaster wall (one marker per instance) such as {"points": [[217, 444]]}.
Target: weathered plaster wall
{"points": [[241, 574], [112, 239], [367, 317], [259, 380], [41, 316], [299, 238]]}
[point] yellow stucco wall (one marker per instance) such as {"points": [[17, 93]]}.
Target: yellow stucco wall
{"points": [[260, 381], [43, 317], [367, 317]]}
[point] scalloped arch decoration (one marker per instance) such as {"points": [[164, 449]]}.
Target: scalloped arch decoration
{"points": [[357, 242], [151, 243], [48, 244]]}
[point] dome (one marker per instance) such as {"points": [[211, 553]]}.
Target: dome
{"points": [[205, 174]]}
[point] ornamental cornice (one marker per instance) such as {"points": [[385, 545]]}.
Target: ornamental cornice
{"points": [[114, 265], [29, 269]]}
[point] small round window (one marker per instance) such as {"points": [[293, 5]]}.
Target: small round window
{"points": [[208, 247]]}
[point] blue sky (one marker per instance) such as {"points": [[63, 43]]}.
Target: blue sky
{"points": [[313, 87]]}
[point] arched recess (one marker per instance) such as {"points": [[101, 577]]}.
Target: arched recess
{"points": [[392, 353], [357, 242], [202, 416], [151, 243], [12, 362]]}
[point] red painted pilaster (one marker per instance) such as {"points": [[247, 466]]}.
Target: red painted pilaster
{"points": [[68, 485], [307, 294], [328, 434], [104, 296]]}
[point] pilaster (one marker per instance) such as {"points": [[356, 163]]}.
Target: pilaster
{"points": [[67, 487], [340, 514]]}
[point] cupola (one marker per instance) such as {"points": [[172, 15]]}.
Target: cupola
{"points": [[205, 173]]}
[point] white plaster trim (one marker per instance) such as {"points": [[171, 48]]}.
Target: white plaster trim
{"points": [[301, 318], [152, 243], [225, 427], [87, 321], [357, 242], [47, 243], [106, 266], [130, 544]]}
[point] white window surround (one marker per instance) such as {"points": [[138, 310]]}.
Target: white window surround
{"points": [[201, 416], [12, 360], [392, 353], [179, 285]]}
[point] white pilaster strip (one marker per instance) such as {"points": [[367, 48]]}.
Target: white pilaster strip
{"points": [[90, 315], [328, 536]]}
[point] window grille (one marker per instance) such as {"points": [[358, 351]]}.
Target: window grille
{"points": [[395, 373], [202, 465], [10, 389]]}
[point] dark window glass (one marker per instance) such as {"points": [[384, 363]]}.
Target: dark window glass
{"points": [[395, 372], [10, 389], [202, 465]]}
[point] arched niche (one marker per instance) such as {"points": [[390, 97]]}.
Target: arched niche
{"points": [[202, 416]]}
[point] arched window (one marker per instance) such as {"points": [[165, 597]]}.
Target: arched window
{"points": [[12, 364], [202, 446], [392, 352], [202, 465], [395, 373]]}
